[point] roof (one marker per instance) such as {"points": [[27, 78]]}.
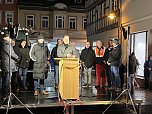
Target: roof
{"points": [[50, 3]]}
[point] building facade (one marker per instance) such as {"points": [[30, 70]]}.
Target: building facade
{"points": [[99, 25], [54, 18], [8, 12]]}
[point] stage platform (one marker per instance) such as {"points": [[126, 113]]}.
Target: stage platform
{"points": [[91, 101]]}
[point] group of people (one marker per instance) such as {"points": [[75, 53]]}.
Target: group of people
{"points": [[15, 62], [106, 61]]}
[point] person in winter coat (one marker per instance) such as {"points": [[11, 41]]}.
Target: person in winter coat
{"points": [[39, 53], [65, 50], [114, 61], [101, 79], [132, 67], [24, 62], [87, 58], [8, 59], [56, 63], [148, 71], [107, 67]]}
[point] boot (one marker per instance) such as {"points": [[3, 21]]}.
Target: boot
{"points": [[44, 92], [36, 93]]}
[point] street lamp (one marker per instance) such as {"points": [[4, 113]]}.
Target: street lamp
{"points": [[113, 15]]}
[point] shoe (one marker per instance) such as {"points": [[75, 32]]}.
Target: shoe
{"points": [[110, 88], [118, 90], [25, 88], [56, 86], [89, 86], [84, 86], [97, 86], [44, 92], [36, 93]]}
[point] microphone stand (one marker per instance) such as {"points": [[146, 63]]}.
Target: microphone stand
{"points": [[11, 95]]}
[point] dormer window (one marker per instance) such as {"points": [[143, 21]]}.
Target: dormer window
{"points": [[78, 1]]}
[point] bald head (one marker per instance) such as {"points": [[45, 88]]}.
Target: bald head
{"points": [[66, 39]]}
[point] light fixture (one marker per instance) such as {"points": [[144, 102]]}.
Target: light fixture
{"points": [[112, 15]]}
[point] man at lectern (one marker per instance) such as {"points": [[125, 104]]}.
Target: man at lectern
{"points": [[65, 50]]}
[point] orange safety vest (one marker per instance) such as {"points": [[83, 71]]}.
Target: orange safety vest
{"points": [[101, 54]]}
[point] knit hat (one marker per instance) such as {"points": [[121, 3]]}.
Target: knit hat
{"points": [[40, 37], [115, 40]]}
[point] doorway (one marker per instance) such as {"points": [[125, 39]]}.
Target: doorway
{"points": [[138, 45]]}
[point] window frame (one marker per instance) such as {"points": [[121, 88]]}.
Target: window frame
{"points": [[6, 16], [73, 17], [45, 21], [33, 20], [57, 21], [83, 18]]}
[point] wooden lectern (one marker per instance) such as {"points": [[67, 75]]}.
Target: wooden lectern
{"points": [[68, 78]]}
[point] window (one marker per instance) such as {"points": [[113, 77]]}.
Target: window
{"points": [[0, 1], [9, 15], [78, 1], [59, 21], [30, 20], [84, 23], [9, 1], [44, 21], [72, 22]]}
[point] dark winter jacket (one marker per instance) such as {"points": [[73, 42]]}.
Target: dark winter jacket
{"points": [[132, 64], [6, 53], [17, 52], [115, 56], [106, 54], [54, 55], [39, 53], [147, 68], [25, 58], [88, 57]]}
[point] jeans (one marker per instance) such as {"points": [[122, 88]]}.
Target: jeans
{"points": [[38, 84], [23, 75], [131, 79], [56, 74], [87, 76], [115, 78]]}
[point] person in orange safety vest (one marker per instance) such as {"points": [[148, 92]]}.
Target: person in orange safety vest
{"points": [[101, 79]]}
